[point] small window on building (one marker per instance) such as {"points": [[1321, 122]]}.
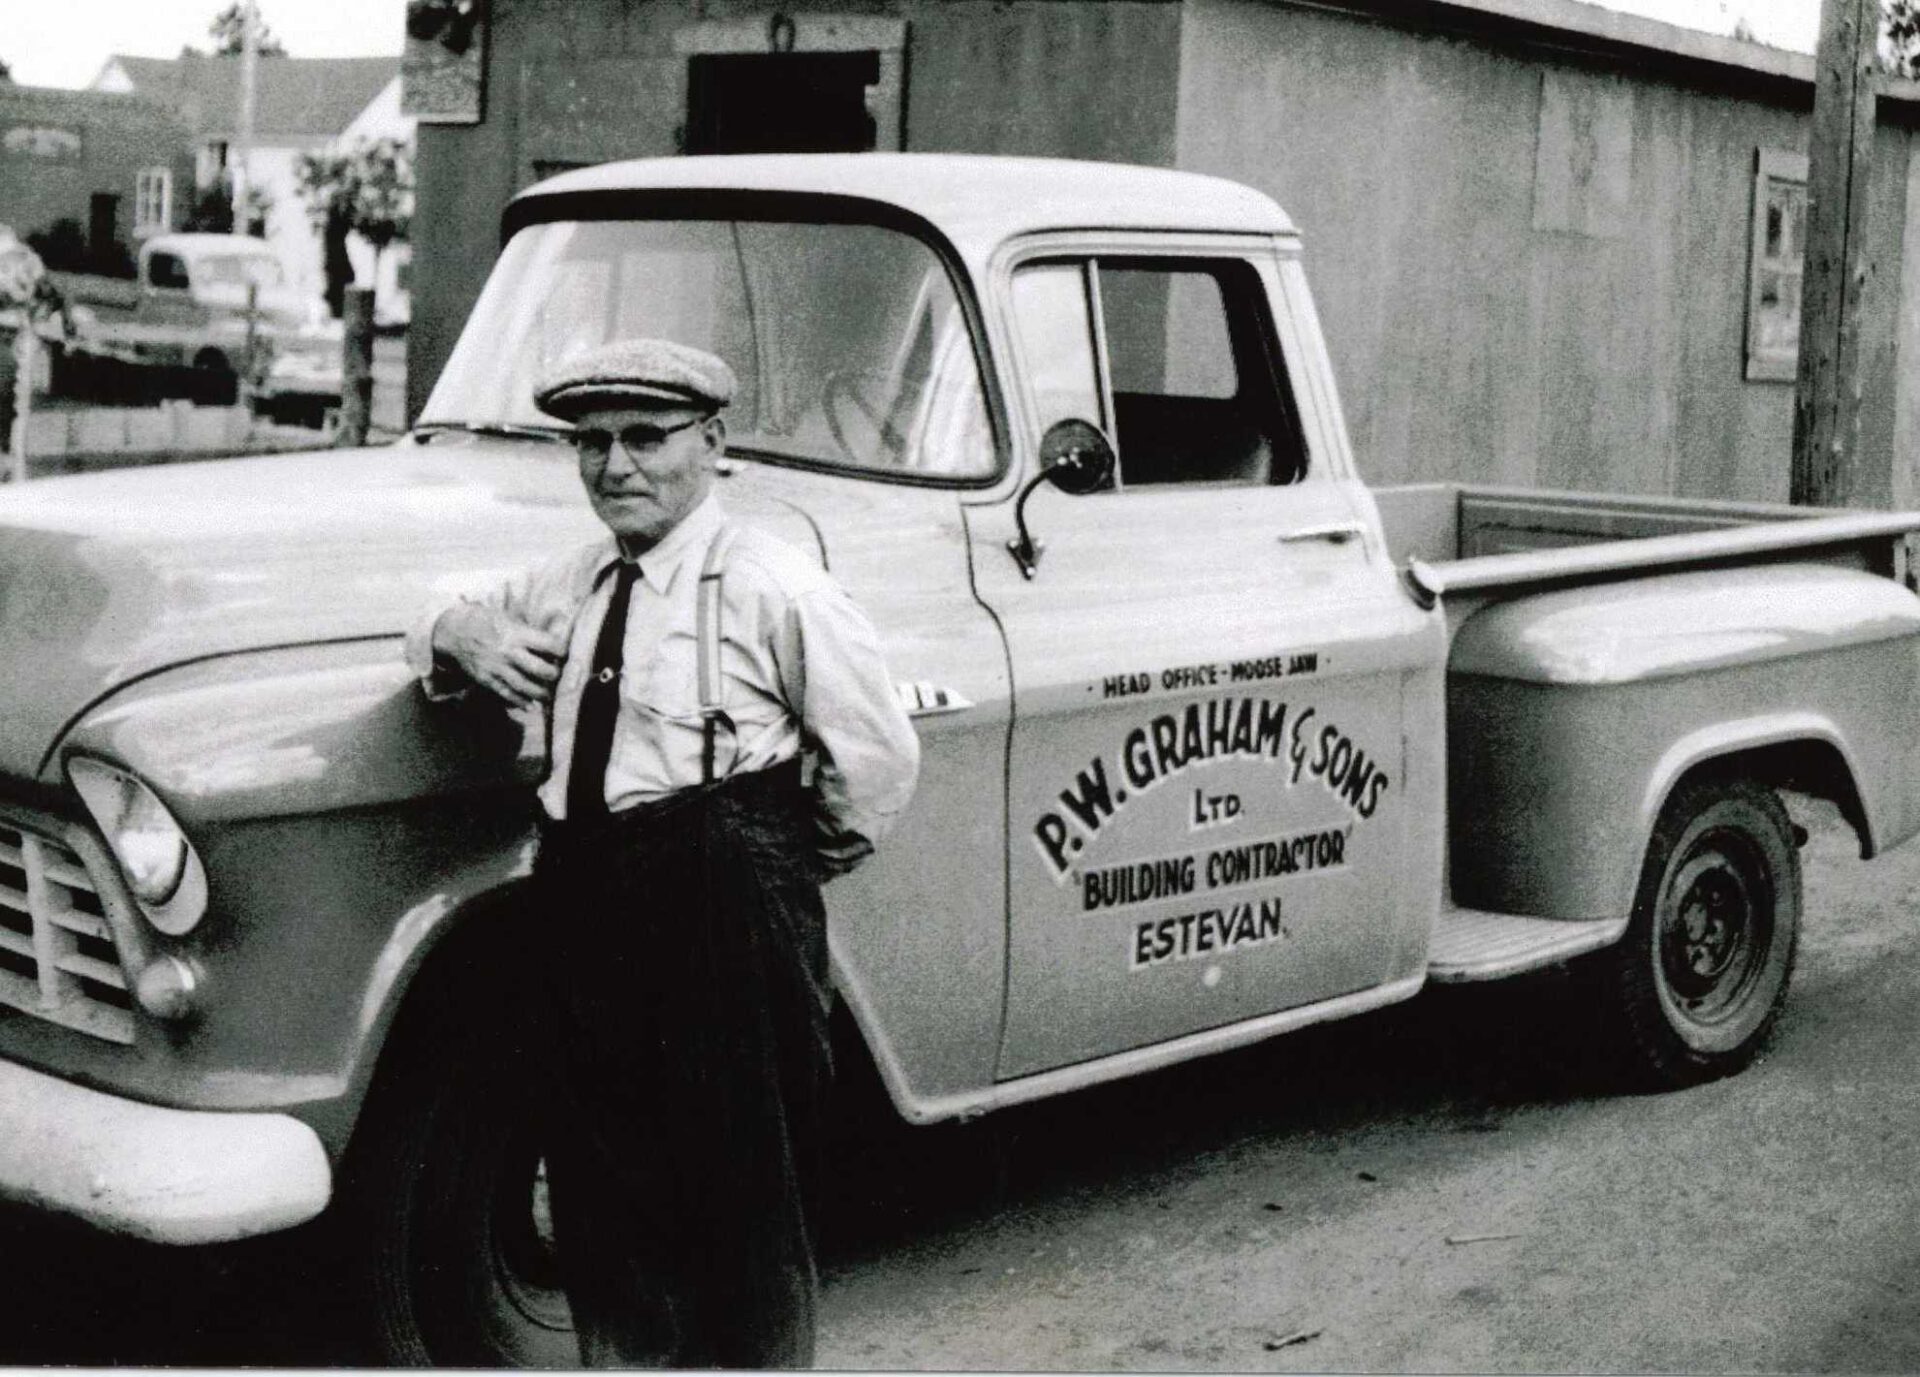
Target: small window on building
{"points": [[212, 162], [153, 201], [1775, 266]]}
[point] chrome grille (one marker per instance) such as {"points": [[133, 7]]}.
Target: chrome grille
{"points": [[58, 960]]}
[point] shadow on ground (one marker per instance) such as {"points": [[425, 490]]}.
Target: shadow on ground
{"points": [[1457, 1059]]}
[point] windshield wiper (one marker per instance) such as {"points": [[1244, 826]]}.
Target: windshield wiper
{"points": [[508, 430]]}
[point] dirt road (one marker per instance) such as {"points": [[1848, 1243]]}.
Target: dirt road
{"points": [[1450, 1185]]}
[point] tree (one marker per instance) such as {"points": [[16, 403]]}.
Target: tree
{"points": [[368, 191], [212, 210], [228, 31], [6, 72]]}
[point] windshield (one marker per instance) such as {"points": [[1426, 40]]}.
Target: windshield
{"points": [[236, 270], [848, 340]]}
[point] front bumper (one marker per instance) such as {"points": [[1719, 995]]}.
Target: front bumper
{"points": [[167, 1175]]}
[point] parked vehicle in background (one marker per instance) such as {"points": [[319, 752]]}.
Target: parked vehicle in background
{"points": [[303, 383], [215, 303], [1218, 741]]}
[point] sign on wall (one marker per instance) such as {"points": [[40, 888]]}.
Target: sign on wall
{"points": [[443, 65], [1775, 265], [52, 145]]}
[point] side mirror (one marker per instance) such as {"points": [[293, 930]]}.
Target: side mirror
{"points": [[1077, 458]]}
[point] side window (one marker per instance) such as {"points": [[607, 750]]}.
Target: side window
{"points": [[1175, 357], [1199, 395], [166, 270]]}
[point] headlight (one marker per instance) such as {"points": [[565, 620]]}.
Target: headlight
{"points": [[152, 850]]}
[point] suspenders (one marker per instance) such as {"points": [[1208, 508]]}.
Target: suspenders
{"points": [[707, 633], [707, 640]]}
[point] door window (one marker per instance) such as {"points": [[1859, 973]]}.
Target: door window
{"points": [[1194, 388]]}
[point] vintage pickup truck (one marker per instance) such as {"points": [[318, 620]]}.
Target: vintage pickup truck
{"points": [[187, 308], [1218, 742]]}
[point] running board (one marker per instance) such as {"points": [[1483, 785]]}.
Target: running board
{"points": [[1469, 944]]}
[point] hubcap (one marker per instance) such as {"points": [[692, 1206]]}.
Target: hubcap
{"points": [[524, 1260], [1718, 929]]}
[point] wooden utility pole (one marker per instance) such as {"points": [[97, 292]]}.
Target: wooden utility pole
{"points": [[1826, 406], [356, 371], [243, 133], [27, 363]]}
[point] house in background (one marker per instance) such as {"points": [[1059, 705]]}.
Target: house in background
{"points": [[92, 174], [301, 105]]}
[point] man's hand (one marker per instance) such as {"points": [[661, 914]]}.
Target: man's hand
{"points": [[508, 658]]}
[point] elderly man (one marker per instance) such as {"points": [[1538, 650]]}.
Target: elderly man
{"points": [[723, 735]]}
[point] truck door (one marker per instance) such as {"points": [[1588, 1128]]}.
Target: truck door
{"points": [[1207, 786], [167, 291]]}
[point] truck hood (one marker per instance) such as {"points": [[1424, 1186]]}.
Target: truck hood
{"points": [[106, 578]]}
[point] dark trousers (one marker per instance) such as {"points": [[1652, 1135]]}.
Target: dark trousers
{"points": [[686, 1027]]}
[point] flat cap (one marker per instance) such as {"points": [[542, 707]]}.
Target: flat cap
{"points": [[634, 373]]}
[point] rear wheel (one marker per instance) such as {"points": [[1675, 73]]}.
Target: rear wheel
{"points": [[1694, 988], [444, 1208], [214, 381]]}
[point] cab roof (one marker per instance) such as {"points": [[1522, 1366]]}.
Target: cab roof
{"points": [[976, 201]]}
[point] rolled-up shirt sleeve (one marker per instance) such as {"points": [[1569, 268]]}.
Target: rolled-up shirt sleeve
{"points": [[868, 755]]}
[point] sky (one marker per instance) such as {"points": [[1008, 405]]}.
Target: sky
{"points": [[64, 42]]}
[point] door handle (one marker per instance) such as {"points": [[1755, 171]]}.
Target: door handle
{"points": [[1334, 532]]}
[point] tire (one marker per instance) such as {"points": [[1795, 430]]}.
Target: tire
{"points": [[1692, 991], [214, 383], [443, 1206]]}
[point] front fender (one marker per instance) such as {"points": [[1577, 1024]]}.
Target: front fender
{"points": [[1573, 714], [346, 826]]}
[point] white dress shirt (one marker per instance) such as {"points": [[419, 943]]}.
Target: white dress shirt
{"points": [[800, 667]]}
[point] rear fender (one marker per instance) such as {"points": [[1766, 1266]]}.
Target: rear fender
{"points": [[1799, 751], [1572, 716]]}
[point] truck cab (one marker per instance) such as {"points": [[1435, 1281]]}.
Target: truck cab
{"points": [[216, 303]]}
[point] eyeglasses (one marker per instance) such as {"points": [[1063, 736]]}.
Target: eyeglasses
{"points": [[637, 438]]}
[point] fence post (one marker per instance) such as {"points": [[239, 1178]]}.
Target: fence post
{"points": [[249, 357], [356, 371], [25, 365]]}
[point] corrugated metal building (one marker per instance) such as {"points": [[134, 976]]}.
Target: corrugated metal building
{"points": [[1553, 245]]}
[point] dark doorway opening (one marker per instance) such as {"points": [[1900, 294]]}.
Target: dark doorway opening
{"points": [[103, 219], [781, 102]]}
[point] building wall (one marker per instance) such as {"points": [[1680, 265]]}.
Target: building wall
{"points": [[1532, 263], [43, 180], [582, 81], [1530, 269], [274, 168]]}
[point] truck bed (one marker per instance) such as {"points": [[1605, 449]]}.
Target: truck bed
{"points": [[1455, 539]]}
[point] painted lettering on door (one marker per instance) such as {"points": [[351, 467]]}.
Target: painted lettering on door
{"points": [[1302, 742]]}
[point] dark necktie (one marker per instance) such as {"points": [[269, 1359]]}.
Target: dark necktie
{"points": [[600, 705]]}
